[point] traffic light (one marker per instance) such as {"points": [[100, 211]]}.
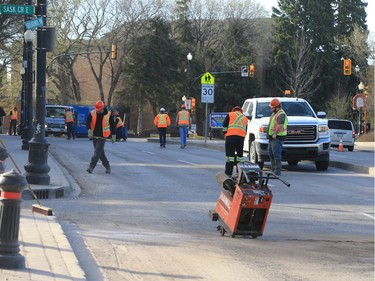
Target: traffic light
{"points": [[193, 104], [347, 67], [252, 69], [114, 51], [244, 71]]}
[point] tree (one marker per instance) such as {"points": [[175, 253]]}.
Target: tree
{"points": [[152, 69]]}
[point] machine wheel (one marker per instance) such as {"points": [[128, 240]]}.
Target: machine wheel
{"points": [[321, 165], [222, 231], [293, 163], [233, 235], [254, 236], [350, 148], [253, 156]]}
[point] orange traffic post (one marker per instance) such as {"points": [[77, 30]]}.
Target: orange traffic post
{"points": [[341, 146]]}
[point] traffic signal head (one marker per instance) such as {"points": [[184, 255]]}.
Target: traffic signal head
{"points": [[251, 70], [347, 67], [114, 51]]}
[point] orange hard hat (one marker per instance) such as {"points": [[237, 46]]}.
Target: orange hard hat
{"points": [[275, 103], [99, 105], [237, 108]]}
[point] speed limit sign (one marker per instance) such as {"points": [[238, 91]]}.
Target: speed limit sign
{"points": [[207, 93]]}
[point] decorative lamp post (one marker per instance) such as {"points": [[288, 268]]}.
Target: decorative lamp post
{"points": [[27, 130], [189, 58], [37, 168]]}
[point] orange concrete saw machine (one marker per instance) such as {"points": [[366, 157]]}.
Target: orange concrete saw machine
{"points": [[244, 202]]}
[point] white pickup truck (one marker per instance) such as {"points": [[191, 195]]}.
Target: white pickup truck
{"points": [[308, 134]]}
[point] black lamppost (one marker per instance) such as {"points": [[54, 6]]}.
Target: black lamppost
{"points": [[37, 168], [27, 129]]}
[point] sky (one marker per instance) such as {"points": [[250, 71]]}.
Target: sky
{"points": [[370, 12]]}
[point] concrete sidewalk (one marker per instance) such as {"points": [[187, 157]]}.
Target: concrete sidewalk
{"points": [[47, 251]]}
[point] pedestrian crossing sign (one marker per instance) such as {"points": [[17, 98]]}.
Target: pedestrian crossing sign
{"points": [[207, 79]]}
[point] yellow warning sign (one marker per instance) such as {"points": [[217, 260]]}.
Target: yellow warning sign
{"points": [[207, 78]]}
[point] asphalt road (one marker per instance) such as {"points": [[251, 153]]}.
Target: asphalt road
{"points": [[148, 220]]}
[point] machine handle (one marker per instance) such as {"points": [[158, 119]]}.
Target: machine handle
{"points": [[276, 177]]}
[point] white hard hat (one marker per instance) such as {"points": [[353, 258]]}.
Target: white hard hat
{"points": [[162, 109]]}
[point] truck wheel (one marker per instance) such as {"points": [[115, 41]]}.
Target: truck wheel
{"points": [[350, 148], [321, 165], [253, 156], [292, 163]]}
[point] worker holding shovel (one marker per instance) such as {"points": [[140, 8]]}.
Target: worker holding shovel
{"points": [[100, 124]]}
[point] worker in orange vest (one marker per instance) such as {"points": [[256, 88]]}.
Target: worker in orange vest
{"points": [[183, 123], [234, 128], [119, 126], [99, 125], [162, 122], [13, 121], [69, 121]]}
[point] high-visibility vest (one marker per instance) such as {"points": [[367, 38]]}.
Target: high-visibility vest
{"points": [[14, 115], [273, 124], [68, 117], [237, 124], [119, 122], [162, 120], [105, 123], [183, 118]]}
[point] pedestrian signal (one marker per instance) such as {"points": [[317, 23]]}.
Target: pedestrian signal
{"points": [[193, 104], [347, 67], [114, 51], [252, 69], [244, 71]]}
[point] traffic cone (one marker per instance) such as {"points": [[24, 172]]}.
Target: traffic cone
{"points": [[341, 146]]}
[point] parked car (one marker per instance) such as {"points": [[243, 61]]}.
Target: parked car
{"points": [[55, 121], [342, 129]]}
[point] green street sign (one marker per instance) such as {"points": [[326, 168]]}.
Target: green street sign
{"points": [[17, 9]]}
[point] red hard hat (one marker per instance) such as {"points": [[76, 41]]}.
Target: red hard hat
{"points": [[99, 105], [275, 103], [237, 108]]}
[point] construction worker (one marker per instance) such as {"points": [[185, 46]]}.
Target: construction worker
{"points": [[13, 121], [183, 123], [119, 126], [69, 121], [2, 116], [277, 131], [162, 122], [234, 128], [100, 124]]}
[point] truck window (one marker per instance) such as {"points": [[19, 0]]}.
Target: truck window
{"points": [[55, 112]]}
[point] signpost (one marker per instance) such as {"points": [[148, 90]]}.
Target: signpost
{"points": [[17, 9], [208, 91]]}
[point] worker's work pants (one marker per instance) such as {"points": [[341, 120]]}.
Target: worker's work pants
{"points": [[275, 148], [183, 135], [162, 136], [13, 127], [70, 130], [233, 152], [99, 153]]}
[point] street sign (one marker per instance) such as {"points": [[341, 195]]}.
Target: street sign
{"points": [[17, 9], [208, 93], [208, 88], [32, 24], [208, 79]]}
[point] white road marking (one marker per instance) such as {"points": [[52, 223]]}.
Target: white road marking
{"points": [[148, 152], [367, 215], [187, 162]]}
